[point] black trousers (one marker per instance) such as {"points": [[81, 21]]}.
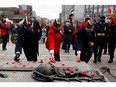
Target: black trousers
{"points": [[86, 54], [4, 38], [66, 45], [57, 56], [8, 37], [43, 40], [107, 45], [30, 53], [112, 47], [73, 44], [98, 48]]}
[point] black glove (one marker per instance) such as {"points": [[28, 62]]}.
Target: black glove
{"points": [[16, 58]]}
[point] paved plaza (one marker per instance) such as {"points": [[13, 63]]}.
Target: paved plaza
{"points": [[6, 61]]}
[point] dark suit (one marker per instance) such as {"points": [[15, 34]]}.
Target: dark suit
{"points": [[82, 44], [112, 35], [28, 40]]}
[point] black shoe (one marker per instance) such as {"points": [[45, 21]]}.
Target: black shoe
{"points": [[99, 60], [94, 61], [66, 51], [16, 58], [110, 61], [4, 49]]}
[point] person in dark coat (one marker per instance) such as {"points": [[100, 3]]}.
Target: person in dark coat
{"points": [[28, 35], [85, 42], [68, 30], [71, 17], [101, 29], [112, 36], [107, 44]]}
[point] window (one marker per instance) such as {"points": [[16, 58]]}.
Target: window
{"points": [[100, 9], [95, 10], [87, 6], [105, 9], [95, 6], [91, 6]]}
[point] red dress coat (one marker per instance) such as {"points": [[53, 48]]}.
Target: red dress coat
{"points": [[4, 29], [82, 24], [53, 40]]}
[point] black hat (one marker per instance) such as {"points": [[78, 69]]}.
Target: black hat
{"points": [[87, 18], [71, 15], [27, 22], [89, 24], [102, 17], [57, 23]]}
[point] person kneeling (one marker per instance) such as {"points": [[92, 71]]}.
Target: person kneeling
{"points": [[85, 42]]}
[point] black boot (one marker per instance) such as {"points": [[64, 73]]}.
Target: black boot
{"points": [[110, 61], [4, 49], [95, 61], [99, 60], [16, 58]]}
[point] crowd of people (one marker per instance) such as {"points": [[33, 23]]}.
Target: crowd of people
{"points": [[88, 37]]}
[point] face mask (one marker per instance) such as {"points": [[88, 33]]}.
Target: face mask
{"points": [[73, 20], [103, 21], [67, 23]]}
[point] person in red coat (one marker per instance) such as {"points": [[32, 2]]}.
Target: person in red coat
{"points": [[3, 28], [54, 39]]}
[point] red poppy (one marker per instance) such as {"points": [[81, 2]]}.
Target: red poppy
{"points": [[79, 61], [93, 74], [13, 62]]}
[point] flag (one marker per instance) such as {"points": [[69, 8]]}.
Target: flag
{"points": [[110, 10]]}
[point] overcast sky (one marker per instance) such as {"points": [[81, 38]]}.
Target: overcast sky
{"points": [[41, 7], [49, 8]]}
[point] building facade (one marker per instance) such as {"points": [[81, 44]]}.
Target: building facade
{"points": [[17, 14], [95, 11], [66, 10], [11, 13], [81, 11]]}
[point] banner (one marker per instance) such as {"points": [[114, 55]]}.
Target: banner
{"points": [[110, 10], [25, 10]]}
